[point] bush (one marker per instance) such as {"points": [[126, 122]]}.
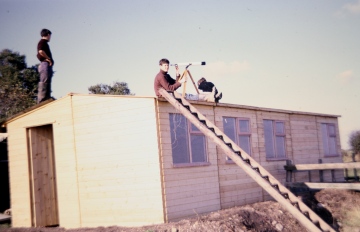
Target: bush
{"points": [[354, 141]]}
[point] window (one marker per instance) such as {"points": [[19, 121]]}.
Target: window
{"points": [[187, 142], [238, 130], [329, 139], [274, 133]]}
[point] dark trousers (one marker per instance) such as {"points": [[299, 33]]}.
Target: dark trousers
{"points": [[44, 88]]}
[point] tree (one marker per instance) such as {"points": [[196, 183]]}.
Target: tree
{"points": [[18, 84], [354, 141], [118, 88]]}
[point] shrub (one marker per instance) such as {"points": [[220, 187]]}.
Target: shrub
{"points": [[354, 141]]}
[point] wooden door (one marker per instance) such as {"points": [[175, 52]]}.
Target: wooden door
{"points": [[44, 204]]}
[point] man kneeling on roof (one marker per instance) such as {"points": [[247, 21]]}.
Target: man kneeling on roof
{"points": [[164, 80]]}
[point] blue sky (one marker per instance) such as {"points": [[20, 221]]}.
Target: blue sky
{"points": [[294, 55]]}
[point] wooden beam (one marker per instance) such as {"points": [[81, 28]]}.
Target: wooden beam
{"points": [[329, 166], [317, 185]]}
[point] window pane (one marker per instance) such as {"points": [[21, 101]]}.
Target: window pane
{"points": [[269, 139], [280, 129], [244, 141], [325, 138], [194, 128], [332, 146], [229, 128], [244, 126], [280, 146], [198, 148], [331, 129], [179, 139]]}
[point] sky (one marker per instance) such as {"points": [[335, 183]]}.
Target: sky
{"points": [[291, 55]]}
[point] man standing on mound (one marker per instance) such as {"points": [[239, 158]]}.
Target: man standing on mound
{"points": [[46, 66]]}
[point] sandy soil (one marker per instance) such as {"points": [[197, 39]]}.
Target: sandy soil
{"points": [[339, 208]]}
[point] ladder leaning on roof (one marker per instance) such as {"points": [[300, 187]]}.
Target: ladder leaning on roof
{"points": [[281, 194]]}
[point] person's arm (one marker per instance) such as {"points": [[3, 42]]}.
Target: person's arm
{"points": [[177, 72], [43, 54], [167, 86]]}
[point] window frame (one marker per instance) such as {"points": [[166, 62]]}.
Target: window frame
{"points": [[276, 135], [239, 133], [190, 130]]}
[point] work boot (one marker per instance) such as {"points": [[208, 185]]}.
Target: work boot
{"points": [[218, 97]]}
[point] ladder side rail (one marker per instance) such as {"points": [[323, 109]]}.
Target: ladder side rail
{"points": [[247, 168]]}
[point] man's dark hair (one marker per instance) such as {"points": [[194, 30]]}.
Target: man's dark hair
{"points": [[201, 80], [45, 32], [164, 61]]}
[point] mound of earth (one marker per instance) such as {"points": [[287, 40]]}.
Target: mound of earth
{"points": [[339, 208]]}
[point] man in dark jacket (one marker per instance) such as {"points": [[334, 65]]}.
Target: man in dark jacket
{"points": [[207, 86], [46, 66], [164, 80]]}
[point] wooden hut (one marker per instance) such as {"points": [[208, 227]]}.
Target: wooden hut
{"points": [[104, 160]]}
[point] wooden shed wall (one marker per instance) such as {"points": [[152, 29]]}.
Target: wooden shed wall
{"points": [[59, 115], [187, 190], [303, 142], [106, 158], [236, 187], [307, 142], [117, 160]]}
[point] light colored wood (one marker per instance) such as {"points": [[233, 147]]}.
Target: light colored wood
{"points": [[317, 185], [328, 166], [44, 200], [262, 182]]}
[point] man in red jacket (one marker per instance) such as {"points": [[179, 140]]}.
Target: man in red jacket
{"points": [[164, 80]]}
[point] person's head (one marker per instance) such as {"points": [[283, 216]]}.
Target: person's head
{"points": [[45, 34], [164, 65], [201, 80]]}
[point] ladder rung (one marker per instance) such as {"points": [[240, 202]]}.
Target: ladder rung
{"points": [[296, 204], [285, 195], [212, 129], [238, 153], [247, 161], [256, 169], [229, 145], [306, 214]]}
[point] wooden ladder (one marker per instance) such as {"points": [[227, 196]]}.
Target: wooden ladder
{"points": [[280, 193]]}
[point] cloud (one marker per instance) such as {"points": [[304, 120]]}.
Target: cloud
{"points": [[346, 76], [349, 8], [222, 69]]}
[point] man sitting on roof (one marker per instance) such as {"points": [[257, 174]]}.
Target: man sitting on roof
{"points": [[164, 80]]}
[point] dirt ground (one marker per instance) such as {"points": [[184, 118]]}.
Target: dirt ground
{"points": [[339, 208]]}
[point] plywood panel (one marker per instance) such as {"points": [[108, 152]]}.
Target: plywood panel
{"points": [[58, 114], [117, 160]]}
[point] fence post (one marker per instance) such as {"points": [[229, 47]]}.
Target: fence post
{"points": [[288, 172], [321, 172]]}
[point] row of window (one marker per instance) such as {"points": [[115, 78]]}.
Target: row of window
{"points": [[189, 143]]}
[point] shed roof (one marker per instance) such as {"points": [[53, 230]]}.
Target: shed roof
{"points": [[22, 113]]}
